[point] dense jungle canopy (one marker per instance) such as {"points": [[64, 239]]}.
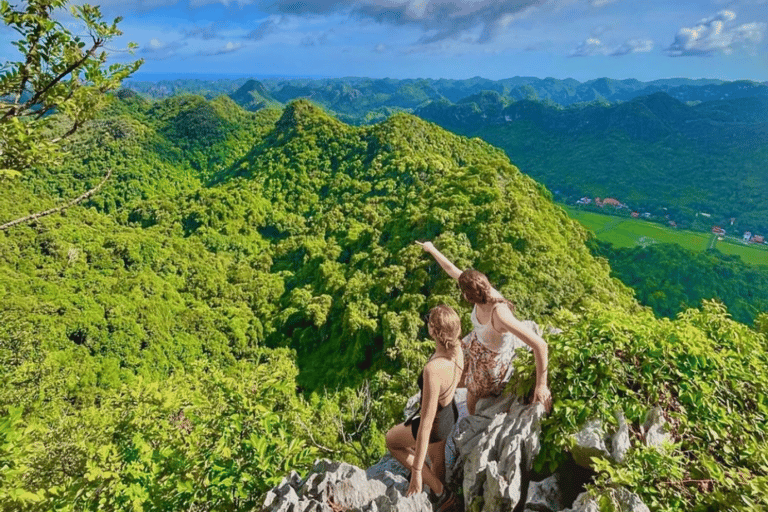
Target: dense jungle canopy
{"points": [[245, 295]]}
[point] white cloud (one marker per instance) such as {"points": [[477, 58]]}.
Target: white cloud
{"points": [[227, 48], [205, 33], [157, 49], [588, 47], [593, 46], [716, 34], [633, 46]]}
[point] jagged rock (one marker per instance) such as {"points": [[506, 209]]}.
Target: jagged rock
{"points": [[623, 500], [333, 486], [489, 455], [588, 443], [412, 405], [545, 496], [620, 440], [654, 428], [388, 470], [496, 451]]}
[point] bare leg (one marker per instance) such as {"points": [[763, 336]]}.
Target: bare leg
{"points": [[471, 402], [436, 453], [401, 445]]}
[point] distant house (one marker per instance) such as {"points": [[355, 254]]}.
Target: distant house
{"points": [[672, 223], [646, 215], [635, 215], [733, 219], [718, 230], [758, 239], [747, 236], [612, 202], [704, 214], [584, 200]]}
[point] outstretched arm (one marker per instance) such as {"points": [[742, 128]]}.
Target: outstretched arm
{"points": [[503, 320], [441, 260]]}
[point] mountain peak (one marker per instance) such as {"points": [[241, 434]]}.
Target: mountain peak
{"points": [[302, 115]]}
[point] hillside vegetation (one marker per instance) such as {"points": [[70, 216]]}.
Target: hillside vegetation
{"points": [[243, 276], [654, 153]]}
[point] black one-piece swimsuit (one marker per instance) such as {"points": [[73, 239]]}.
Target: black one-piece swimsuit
{"points": [[445, 417]]}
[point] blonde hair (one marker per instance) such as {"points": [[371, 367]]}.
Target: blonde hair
{"points": [[477, 289], [446, 328]]}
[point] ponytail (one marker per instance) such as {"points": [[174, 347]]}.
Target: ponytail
{"points": [[446, 328], [477, 289]]}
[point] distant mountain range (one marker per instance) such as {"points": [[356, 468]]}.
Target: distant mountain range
{"points": [[361, 95], [653, 152], [673, 146]]}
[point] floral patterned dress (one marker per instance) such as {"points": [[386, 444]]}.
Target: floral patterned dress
{"points": [[488, 370]]}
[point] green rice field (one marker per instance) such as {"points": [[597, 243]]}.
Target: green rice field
{"points": [[628, 232]]}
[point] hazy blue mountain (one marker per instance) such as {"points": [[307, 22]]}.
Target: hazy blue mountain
{"points": [[358, 95], [253, 96]]}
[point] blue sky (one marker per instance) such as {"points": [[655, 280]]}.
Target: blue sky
{"points": [[581, 39]]}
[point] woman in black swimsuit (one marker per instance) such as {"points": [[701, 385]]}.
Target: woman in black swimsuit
{"points": [[410, 442]]}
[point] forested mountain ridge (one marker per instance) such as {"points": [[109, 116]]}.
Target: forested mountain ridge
{"points": [[357, 97], [356, 200], [652, 152], [701, 143], [175, 343]]}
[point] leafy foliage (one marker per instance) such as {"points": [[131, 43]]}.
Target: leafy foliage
{"points": [[707, 372], [245, 296], [59, 72], [671, 279]]}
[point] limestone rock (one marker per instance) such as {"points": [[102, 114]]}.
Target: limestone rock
{"points": [[496, 451], [388, 470], [655, 428], [620, 441], [623, 500], [588, 443], [333, 486], [545, 496]]}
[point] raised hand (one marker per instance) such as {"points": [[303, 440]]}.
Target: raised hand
{"points": [[427, 246]]}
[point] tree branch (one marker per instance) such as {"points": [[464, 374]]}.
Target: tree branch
{"points": [[34, 99], [72, 130], [73, 202], [312, 439]]}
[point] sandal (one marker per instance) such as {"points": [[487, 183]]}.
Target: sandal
{"points": [[446, 501]]}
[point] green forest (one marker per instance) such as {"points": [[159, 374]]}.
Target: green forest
{"points": [[243, 276], [243, 295], [672, 147], [671, 279], [654, 153]]}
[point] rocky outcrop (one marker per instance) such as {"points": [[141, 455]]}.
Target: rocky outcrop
{"points": [[545, 496], [496, 449], [622, 499], [336, 486], [620, 441], [654, 429], [589, 443], [489, 458]]}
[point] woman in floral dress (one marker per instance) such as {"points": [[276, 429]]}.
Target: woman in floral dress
{"points": [[490, 348]]}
